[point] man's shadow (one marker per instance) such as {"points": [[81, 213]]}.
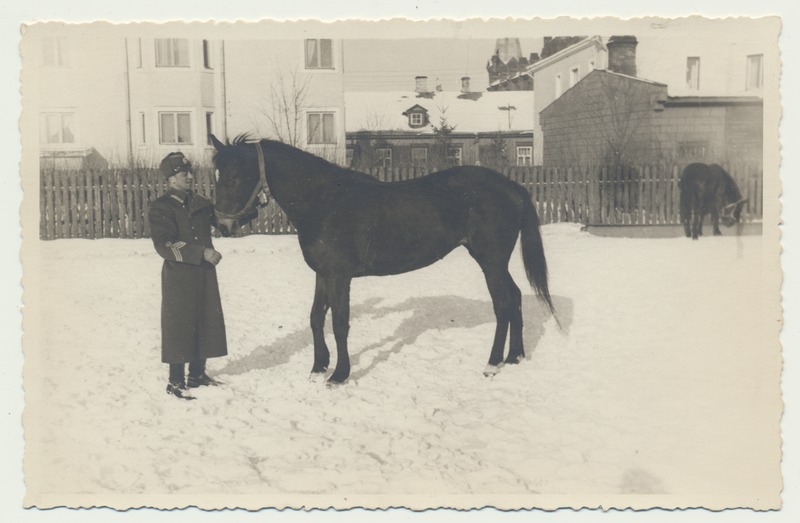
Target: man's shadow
{"points": [[434, 313]]}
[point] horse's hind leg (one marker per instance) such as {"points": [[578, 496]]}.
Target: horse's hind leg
{"points": [[516, 350], [318, 311], [503, 303]]}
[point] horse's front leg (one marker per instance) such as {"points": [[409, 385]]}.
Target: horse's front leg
{"points": [[715, 221], [318, 312], [339, 295]]}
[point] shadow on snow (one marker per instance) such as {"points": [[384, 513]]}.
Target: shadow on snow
{"points": [[435, 313]]}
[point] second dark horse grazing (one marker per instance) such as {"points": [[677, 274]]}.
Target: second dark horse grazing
{"points": [[349, 224], [708, 189]]}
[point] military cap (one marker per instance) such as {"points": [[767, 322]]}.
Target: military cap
{"points": [[174, 163]]}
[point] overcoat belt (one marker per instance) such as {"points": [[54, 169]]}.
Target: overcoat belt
{"points": [[192, 324]]}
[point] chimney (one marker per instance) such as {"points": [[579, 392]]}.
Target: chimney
{"points": [[465, 84], [622, 54], [422, 84]]}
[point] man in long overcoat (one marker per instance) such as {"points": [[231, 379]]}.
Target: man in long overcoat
{"points": [[192, 324]]}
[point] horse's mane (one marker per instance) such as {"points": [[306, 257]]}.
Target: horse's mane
{"points": [[236, 147], [330, 169]]}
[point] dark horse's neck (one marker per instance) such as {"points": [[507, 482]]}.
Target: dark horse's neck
{"points": [[301, 183]]}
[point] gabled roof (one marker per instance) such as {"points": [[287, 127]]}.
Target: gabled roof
{"points": [[567, 51], [415, 108], [472, 112], [582, 82]]}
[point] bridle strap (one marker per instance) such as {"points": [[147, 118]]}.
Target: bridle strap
{"points": [[260, 191]]}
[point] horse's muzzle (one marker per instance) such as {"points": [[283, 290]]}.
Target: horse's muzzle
{"points": [[226, 226]]}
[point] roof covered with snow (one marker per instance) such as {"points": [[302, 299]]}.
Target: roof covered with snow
{"points": [[469, 112]]}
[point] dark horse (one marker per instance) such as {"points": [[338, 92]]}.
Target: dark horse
{"points": [[708, 189], [349, 224]]}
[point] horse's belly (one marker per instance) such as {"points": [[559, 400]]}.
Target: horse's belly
{"points": [[395, 260]]}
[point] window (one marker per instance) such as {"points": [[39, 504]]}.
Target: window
{"points": [[207, 54], [525, 155], [55, 51], [574, 76], [693, 73], [349, 154], [175, 127], [755, 71], [558, 85], [143, 129], [321, 129], [319, 54], [384, 158], [454, 155], [209, 127], [58, 128], [419, 157], [417, 119], [172, 52], [138, 53], [692, 150]]}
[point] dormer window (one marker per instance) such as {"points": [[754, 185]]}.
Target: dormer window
{"points": [[417, 116]]}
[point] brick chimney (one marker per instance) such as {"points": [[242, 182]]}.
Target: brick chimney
{"points": [[465, 84], [622, 54], [422, 84]]}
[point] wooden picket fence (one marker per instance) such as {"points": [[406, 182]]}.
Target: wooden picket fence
{"points": [[114, 203]]}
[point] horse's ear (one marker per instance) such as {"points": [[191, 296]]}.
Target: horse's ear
{"points": [[217, 144]]}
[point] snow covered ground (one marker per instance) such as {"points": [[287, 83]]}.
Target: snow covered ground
{"points": [[661, 385]]}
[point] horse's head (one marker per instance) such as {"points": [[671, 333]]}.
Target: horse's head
{"points": [[732, 213], [237, 185]]}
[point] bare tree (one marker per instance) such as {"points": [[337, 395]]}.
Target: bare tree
{"points": [[613, 118], [285, 107]]}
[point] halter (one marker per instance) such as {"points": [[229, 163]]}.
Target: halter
{"points": [[260, 191]]}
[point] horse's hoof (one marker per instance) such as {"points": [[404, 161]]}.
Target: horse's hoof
{"points": [[514, 360], [491, 370], [334, 384], [316, 377]]}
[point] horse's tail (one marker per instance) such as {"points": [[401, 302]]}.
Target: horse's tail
{"points": [[533, 254]]}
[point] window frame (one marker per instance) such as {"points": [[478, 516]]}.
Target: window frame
{"points": [[384, 154], [209, 123], [171, 53], [318, 64], [759, 82], [693, 74], [208, 63], [44, 135], [142, 128], [520, 156], [692, 150], [176, 127], [574, 75], [417, 161], [334, 139], [59, 51], [459, 157]]}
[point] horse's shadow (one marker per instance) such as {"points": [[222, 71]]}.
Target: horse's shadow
{"points": [[427, 314]]}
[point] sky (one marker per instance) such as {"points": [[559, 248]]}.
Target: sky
{"points": [[391, 65]]}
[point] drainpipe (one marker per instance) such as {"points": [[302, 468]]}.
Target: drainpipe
{"points": [[224, 94], [128, 105]]}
